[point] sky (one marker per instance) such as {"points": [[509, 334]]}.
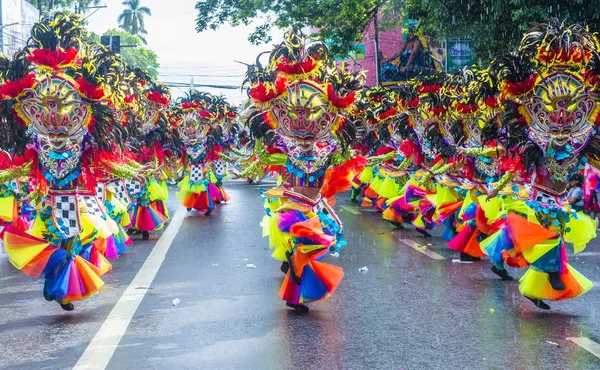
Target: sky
{"points": [[209, 57]]}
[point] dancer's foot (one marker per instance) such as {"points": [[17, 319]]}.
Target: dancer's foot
{"points": [[285, 267], [293, 275], [423, 233], [218, 202], [47, 297], [207, 213], [555, 281], [145, 235], [188, 209], [67, 307], [398, 225], [539, 303], [297, 307], [502, 273], [468, 258]]}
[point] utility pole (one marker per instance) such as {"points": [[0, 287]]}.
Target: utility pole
{"points": [[376, 27]]}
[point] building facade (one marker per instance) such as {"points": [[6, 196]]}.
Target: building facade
{"points": [[16, 19]]}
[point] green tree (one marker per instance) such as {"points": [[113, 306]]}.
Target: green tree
{"points": [[132, 18], [137, 56], [342, 22], [496, 26]]}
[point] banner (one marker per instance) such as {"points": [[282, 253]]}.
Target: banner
{"points": [[460, 54], [417, 53]]}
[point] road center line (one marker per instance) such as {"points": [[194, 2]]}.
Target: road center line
{"points": [[587, 344], [98, 353], [348, 209], [425, 251]]}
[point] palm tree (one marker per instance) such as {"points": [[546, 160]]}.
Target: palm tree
{"points": [[132, 18]]}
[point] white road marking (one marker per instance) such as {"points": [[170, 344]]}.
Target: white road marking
{"points": [[425, 251], [101, 349], [348, 209], [587, 344]]}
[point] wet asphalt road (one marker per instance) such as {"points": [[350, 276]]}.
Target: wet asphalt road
{"points": [[408, 311]]}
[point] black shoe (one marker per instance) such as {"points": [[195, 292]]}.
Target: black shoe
{"points": [[285, 267], [188, 209], [423, 233], [468, 258], [218, 202], [47, 297], [207, 213], [145, 235], [398, 225], [67, 307], [539, 303], [297, 307], [502, 273], [555, 281]]}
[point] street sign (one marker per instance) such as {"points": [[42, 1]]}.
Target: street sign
{"points": [[113, 43]]}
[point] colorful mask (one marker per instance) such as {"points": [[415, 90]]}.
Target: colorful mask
{"points": [[58, 120], [559, 115]]}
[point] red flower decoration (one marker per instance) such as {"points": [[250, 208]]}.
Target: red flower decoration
{"points": [[15, 88], [388, 113], [433, 88], [413, 103], [491, 101], [204, 114], [157, 97], [521, 87], [263, 94], [337, 101], [55, 59], [89, 90], [295, 68], [190, 105]]}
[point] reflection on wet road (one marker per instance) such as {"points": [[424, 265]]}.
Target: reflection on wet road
{"points": [[408, 311]]}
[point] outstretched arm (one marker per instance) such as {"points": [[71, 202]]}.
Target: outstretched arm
{"points": [[14, 173]]}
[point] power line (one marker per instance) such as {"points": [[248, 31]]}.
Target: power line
{"points": [[187, 84]]}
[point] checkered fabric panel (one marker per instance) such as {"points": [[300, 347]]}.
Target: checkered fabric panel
{"points": [[196, 174], [100, 191], [545, 198], [133, 187], [219, 168], [92, 205], [65, 209], [121, 191]]}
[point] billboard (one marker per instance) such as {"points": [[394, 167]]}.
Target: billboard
{"points": [[393, 49], [416, 53], [460, 53]]}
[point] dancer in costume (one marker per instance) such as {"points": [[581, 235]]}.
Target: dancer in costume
{"points": [[300, 108], [424, 202], [551, 90], [381, 107], [204, 168], [477, 160], [60, 124], [148, 151]]}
